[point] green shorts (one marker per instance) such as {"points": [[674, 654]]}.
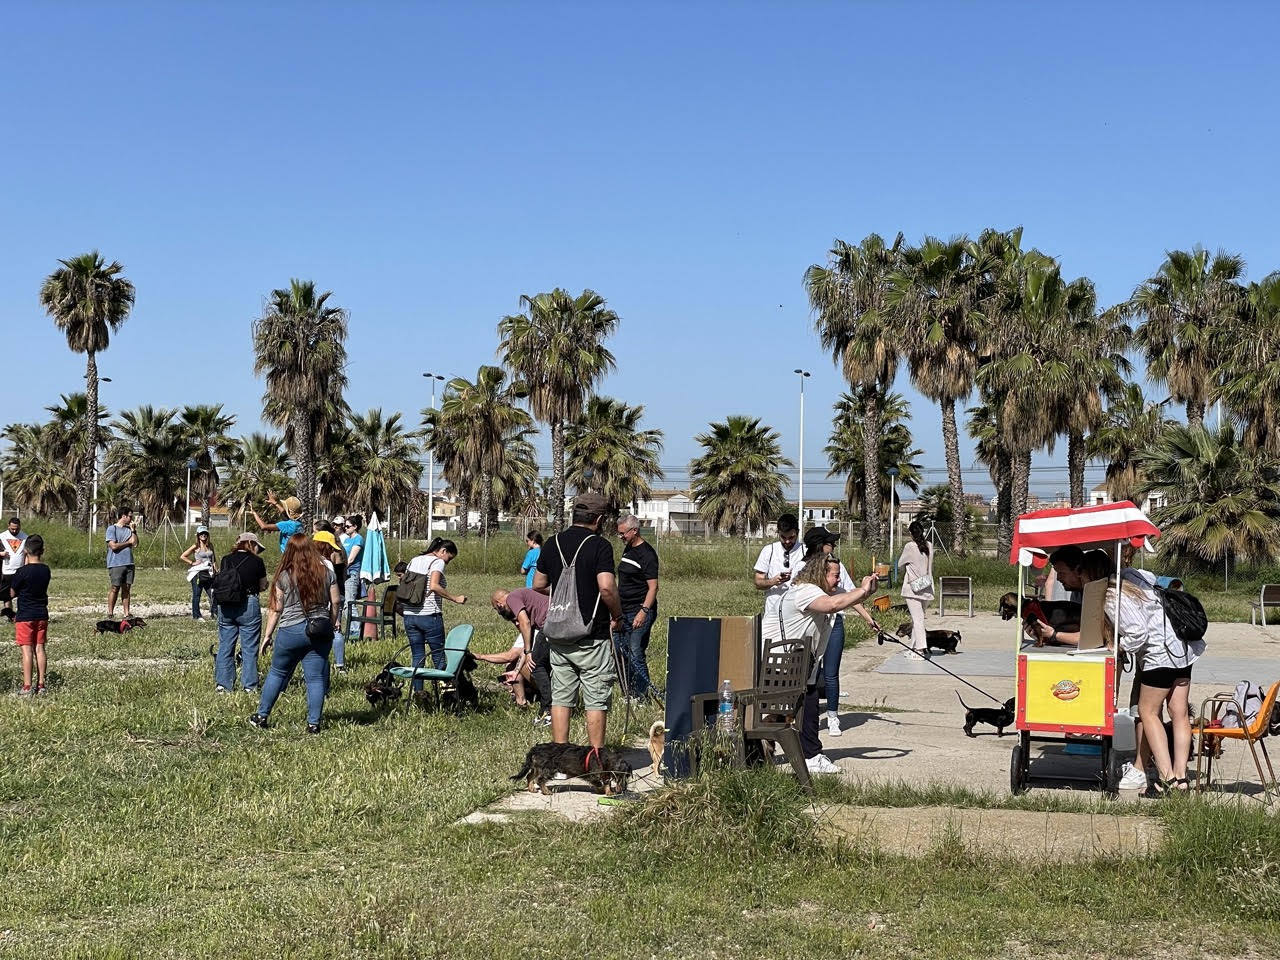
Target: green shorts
{"points": [[587, 665], [121, 576]]}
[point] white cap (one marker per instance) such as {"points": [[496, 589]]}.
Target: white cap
{"points": [[339, 520]]}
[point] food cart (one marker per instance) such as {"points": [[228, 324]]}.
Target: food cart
{"points": [[1068, 694]]}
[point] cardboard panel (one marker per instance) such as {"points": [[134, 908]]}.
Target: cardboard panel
{"points": [[1092, 632], [738, 644]]}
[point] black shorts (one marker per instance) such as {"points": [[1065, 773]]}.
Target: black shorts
{"points": [[1164, 678], [6, 581]]}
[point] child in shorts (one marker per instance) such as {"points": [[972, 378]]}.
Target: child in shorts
{"points": [[30, 585]]}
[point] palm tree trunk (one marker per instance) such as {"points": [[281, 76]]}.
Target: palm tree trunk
{"points": [[1004, 503], [1021, 481], [486, 501], [304, 456], [951, 449], [557, 474], [84, 482], [871, 468], [464, 513], [1075, 466], [1195, 413]]}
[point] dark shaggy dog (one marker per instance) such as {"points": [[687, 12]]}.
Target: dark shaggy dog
{"points": [[1063, 615], [384, 688], [944, 640], [119, 626], [604, 769], [462, 694], [998, 717]]}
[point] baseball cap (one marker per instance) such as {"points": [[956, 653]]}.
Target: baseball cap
{"points": [[202, 529], [591, 502], [816, 537], [249, 538], [324, 536], [339, 520]]}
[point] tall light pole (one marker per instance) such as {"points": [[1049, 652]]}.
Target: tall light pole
{"points": [[186, 512], [431, 464], [804, 375], [893, 502]]}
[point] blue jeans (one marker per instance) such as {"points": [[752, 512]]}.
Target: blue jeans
{"points": [[425, 630], [293, 646], [196, 590], [350, 591], [238, 623], [633, 644], [831, 666]]}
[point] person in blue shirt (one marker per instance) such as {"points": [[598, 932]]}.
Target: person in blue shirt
{"points": [[292, 508], [530, 562], [121, 539]]}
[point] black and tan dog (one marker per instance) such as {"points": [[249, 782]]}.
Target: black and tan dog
{"points": [[998, 717], [119, 626], [385, 688], [944, 640], [603, 768], [1063, 615]]}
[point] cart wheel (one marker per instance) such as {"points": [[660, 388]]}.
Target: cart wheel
{"points": [[1018, 770], [1111, 766]]}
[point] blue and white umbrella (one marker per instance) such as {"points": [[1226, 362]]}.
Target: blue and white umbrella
{"points": [[373, 561]]}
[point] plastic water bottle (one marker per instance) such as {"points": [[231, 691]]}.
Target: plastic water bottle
{"points": [[726, 718]]}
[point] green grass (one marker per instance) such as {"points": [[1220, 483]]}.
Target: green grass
{"points": [[141, 816]]}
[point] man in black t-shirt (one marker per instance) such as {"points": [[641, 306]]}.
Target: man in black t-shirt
{"points": [[638, 592], [585, 664]]}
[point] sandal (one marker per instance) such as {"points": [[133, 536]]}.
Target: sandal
{"points": [[1159, 788]]}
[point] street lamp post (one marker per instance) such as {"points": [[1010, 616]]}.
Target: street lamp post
{"points": [[431, 464], [893, 502], [803, 374], [186, 513]]}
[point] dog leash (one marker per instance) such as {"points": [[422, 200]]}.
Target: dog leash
{"points": [[881, 637]]}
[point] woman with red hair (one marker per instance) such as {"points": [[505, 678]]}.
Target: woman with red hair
{"points": [[302, 612]]}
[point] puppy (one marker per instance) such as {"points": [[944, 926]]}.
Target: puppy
{"points": [[944, 640], [657, 743], [463, 693], [119, 626], [998, 717], [1060, 614], [384, 688], [604, 769]]}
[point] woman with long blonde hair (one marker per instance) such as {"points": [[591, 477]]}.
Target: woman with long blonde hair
{"points": [[302, 611]]}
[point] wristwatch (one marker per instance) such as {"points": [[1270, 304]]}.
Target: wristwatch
{"points": [[647, 611]]}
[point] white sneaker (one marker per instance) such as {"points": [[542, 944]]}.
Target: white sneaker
{"points": [[821, 764], [560, 776], [1132, 778], [833, 725], [911, 655]]}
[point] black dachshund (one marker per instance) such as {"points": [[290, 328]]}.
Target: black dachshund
{"points": [[603, 767], [944, 640], [119, 626], [998, 717]]}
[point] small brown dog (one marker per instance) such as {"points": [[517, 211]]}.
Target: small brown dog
{"points": [[657, 743]]}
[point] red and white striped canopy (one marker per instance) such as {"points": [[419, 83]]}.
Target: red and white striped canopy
{"points": [[1083, 526]]}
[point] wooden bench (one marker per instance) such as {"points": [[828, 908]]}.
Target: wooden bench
{"points": [[1268, 596], [957, 588]]}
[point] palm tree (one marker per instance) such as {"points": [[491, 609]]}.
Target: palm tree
{"points": [[935, 297], [258, 466], [34, 471], [387, 455], [88, 300], [67, 433], [515, 478], [299, 344], [556, 347], [482, 416], [737, 482], [845, 448], [1186, 307], [207, 427], [607, 440], [148, 459], [1223, 499], [850, 301], [1129, 427], [1251, 381], [338, 464], [993, 452], [440, 436]]}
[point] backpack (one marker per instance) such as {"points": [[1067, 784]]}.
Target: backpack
{"points": [[228, 587], [1184, 613], [412, 589], [564, 622]]}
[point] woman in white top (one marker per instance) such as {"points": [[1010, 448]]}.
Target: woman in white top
{"points": [[1164, 674], [916, 564], [805, 615], [424, 624]]}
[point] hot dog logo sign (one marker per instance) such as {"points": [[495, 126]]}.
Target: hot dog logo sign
{"points": [[1066, 689]]}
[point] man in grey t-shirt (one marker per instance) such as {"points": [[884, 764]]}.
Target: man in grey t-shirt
{"points": [[121, 539]]}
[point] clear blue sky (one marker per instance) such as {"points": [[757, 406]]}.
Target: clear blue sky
{"points": [[688, 161]]}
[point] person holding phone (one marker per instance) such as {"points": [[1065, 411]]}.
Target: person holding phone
{"points": [[777, 561]]}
